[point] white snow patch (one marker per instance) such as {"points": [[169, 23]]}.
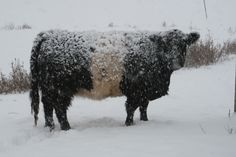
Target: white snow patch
{"points": [[193, 120]]}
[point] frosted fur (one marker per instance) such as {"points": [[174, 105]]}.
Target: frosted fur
{"points": [[103, 51], [98, 65], [90, 43]]}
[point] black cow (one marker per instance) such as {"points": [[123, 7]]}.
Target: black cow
{"points": [[97, 65]]}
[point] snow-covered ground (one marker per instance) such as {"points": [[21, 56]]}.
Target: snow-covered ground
{"points": [[195, 119]]}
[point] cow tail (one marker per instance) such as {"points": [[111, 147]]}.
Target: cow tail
{"points": [[34, 91]]}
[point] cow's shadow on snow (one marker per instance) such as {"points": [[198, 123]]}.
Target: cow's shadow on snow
{"points": [[106, 122], [103, 122]]}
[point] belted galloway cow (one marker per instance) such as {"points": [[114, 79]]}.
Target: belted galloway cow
{"points": [[98, 65]]}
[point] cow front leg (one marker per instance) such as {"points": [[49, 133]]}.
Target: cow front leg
{"points": [[131, 106], [143, 110], [61, 113]]}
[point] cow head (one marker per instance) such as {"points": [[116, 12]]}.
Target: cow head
{"points": [[174, 46]]}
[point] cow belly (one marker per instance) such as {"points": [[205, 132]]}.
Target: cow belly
{"points": [[106, 70]]}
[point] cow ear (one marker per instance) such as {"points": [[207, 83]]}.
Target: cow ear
{"points": [[192, 37]]}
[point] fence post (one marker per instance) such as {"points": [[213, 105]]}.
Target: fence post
{"points": [[235, 90], [204, 2]]}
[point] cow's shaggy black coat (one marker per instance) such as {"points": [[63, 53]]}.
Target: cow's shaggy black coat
{"points": [[61, 64]]}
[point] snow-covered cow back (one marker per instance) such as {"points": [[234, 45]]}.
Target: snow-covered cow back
{"points": [[97, 65]]}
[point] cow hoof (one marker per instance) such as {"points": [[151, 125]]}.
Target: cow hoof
{"points": [[65, 127], [129, 123], [51, 126], [144, 118]]}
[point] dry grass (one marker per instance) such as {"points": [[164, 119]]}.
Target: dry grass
{"points": [[18, 80], [208, 52], [11, 26]]}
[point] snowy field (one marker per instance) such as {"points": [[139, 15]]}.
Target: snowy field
{"points": [[193, 120], [196, 119]]}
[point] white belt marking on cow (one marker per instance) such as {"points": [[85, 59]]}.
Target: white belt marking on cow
{"points": [[107, 70], [107, 65]]}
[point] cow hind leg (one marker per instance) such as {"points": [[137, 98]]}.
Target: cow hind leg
{"points": [[48, 111], [143, 110], [61, 112]]}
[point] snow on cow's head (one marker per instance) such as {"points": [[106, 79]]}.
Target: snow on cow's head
{"points": [[174, 44], [177, 43]]}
